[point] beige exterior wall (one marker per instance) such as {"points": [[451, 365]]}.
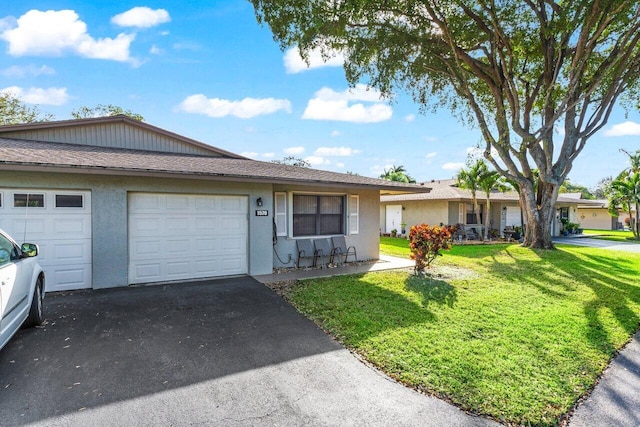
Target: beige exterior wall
{"points": [[432, 212], [598, 219]]}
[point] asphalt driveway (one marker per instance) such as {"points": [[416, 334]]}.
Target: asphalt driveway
{"points": [[226, 352]]}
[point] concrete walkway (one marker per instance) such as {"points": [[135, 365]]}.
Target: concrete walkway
{"points": [[616, 399], [384, 263]]}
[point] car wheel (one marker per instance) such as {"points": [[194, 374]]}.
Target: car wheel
{"points": [[36, 311]]}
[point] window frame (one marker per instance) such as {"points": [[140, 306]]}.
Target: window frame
{"points": [[28, 195], [318, 215], [55, 200]]}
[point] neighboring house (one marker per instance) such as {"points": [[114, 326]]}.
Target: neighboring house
{"points": [[596, 216], [113, 201], [448, 204]]}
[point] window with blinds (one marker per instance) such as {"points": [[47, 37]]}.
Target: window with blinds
{"points": [[316, 215]]}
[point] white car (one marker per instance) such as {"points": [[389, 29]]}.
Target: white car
{"points": [[21, 287]]}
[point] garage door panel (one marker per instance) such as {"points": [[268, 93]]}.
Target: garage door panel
{"points": [[73, 226], [233, 265], [69, 278], [145, 225], [178, 225], [233, 205], [178, 268], [146, 248], [63, 234], [148, 272], [195, 236]]}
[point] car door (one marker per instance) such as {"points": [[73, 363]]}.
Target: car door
{"points": [[15, 278]]}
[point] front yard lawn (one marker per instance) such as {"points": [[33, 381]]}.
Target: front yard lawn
{"points": [[515, 334], [615, 235]]}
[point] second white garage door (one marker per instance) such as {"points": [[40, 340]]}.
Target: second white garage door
{"points": [[186, 236]]}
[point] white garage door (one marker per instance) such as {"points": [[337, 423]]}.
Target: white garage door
{"points": [[185, 236], [60, 223]]}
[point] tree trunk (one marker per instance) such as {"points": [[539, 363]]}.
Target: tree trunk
{"points": [[636, 228], [539, 213], [486, 220]]}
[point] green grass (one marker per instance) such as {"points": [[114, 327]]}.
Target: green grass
{"points": [[615, 235], [519, 336]]}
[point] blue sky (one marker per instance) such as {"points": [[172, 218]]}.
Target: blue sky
{"points": [[207, 70]]}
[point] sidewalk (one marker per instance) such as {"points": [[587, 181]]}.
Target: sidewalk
{"points": [[384, 263], [615, 401]]}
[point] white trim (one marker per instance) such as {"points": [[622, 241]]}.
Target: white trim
{"points": [[280, 213], [462, 213], [354, 214]]}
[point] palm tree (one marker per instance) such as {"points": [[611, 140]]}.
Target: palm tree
{"points": [[489, 181], [625, 192], [469, 179], [397, 174]]}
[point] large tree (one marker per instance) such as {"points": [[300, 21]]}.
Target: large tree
{"points": [[518, 69], [13, 111]]}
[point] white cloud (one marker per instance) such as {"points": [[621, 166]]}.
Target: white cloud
{"points": [[55, 33], [452, 166], [36, 95], [250, 154], [141, 17], [155, 50], [378, 170], [317, 161], [268, 155], [335, 152], [293, 62], [292, 151], [339, 165], [244, 109], [328, 104], [336, 133], [409, 118], [431, 155], [28, 70], [627, 128]]}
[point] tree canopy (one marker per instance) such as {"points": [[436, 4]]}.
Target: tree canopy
{"points": [[397, 174], [293, 161], [13, 111], [102, 110], [517, 70]]}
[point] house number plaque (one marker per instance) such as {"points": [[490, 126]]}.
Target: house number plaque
{"points": [[262, 212]]}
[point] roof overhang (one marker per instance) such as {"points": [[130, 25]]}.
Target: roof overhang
{"points": [[110, 171]]}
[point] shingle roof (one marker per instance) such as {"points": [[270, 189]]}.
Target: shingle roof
{"points": [[22, 154], [447, 192]]}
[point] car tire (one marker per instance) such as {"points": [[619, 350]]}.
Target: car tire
{"points": [[36, 311]]}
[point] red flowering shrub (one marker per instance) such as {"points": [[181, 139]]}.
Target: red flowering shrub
{"points": [[426, 242]]}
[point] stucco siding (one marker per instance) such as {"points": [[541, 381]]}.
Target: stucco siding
{"points": [[113, 135], [598, 219], [366, 241], [431, 212], [110, 215]]}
